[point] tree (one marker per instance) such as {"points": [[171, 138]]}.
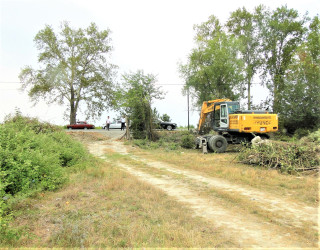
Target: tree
{"points": [[165, 118], [213, 69], [242, 24], [73, 69], [281, 32], [301, 96], [137, 96]]}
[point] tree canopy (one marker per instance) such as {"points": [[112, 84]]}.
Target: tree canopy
{"points": [[136, 97], [213, 69], [73, 69], [279, 48]]}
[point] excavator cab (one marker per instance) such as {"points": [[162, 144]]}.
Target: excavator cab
{"points": [[220, 118]]}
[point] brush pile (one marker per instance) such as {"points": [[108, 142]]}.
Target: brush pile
{"points": [[288, 157]]}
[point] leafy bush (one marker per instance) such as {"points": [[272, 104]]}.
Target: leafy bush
{"points": [[187, 141], [32, 157], [313, 137]]}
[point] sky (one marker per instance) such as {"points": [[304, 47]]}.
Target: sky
{"points": [[149, 35]]}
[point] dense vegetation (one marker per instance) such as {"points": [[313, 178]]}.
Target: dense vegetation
{"points": [[33, 158], [278, 49]]}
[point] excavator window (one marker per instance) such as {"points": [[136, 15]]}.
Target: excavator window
{"points": [[217, 116], [232, 107], [224, 112]]}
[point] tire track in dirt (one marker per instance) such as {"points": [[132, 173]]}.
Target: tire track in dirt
{"points": [[249, 231], [296, 212]]}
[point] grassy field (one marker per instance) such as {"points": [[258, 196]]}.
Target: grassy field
{"points": [[103, 206], [304, 188]]}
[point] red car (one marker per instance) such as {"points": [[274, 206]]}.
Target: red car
{"points": [[80, 125]]}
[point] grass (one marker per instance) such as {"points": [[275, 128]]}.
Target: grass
{"points": [[225, 166], [238, 204], [102, 206], [105, 207]]}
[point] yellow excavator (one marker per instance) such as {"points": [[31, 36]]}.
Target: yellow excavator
{"points": [[233, 126]]}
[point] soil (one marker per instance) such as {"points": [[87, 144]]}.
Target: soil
{"points": [[248, 230]]}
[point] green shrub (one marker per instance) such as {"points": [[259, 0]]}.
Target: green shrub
{"points": [[187, 141], [32, 157], [301, 132], [313, 137]]}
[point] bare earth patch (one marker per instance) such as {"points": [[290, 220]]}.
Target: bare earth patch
{"points": [[246, 229]]}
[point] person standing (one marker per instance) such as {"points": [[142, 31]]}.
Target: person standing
{"points": [[108, 123], [123, 122]]}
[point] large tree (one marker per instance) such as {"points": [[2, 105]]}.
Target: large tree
{"points": [[73, 68], [213, 69], [242, 24], [301, 96], [281, 32]]}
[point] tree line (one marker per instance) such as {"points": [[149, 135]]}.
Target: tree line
{"points": [[279, 47]]}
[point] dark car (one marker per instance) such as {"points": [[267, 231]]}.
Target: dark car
{"points": [[166, 125], [80, 125]]}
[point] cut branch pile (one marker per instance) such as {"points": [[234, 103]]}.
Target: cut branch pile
{"points": [[287, 157]]}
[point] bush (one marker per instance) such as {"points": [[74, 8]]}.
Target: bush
{"points": [[187, 141], [32, 157], [313, 137], [168, 140]]}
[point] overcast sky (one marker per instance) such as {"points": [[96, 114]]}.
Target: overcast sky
{"points": [[151, 35]]}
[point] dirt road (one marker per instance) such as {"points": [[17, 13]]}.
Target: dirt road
{"points": [[248, 230]]}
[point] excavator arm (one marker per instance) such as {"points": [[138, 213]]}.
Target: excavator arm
{"points": [[208, 107]]}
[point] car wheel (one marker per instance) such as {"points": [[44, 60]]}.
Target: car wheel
{"points": [[169, 127], [70, 128], [218, 143]]}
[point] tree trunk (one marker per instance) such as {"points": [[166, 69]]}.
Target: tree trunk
{"points": [[73, 111], [249, 95]]}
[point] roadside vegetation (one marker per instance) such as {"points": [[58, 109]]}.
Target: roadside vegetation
{"points": [[102, 206], [34, 158]]}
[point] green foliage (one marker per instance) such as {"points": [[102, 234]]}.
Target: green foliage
{"points": [[213, 69], [281, 33], [300, 107], [136, 99], [165, 118], [243, 25], [312, 137], [169, 141], [280, 45], [73, 69], [289, 158], [32, 157], [188, 141]]}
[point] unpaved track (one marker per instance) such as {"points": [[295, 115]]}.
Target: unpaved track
{"points": [[248, 230]]}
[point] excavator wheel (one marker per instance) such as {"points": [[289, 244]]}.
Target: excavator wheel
{"points": [[218, 143]]}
